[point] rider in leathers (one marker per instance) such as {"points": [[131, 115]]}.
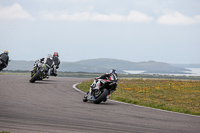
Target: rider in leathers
{"points": [[4, 59], [56, 59], [112, 76], [56, 63]]}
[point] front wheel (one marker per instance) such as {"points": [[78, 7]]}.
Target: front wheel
{"points": [[101, 97], [35, 77]]}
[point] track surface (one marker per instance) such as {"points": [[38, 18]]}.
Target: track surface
{"points": [[53, 106]]}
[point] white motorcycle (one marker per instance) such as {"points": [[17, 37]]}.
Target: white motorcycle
{"points": [[100, 90]]}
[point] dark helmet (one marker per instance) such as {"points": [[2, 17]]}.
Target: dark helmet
{"points": [[113, 71], [56, 54]]}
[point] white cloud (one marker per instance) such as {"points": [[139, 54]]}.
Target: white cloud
{"points": [[107, 18], [60, 16], [134, 16], [177, 18], [14, 12]]}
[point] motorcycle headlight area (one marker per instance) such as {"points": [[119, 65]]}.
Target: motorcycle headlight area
{"points": [[40, 64]]}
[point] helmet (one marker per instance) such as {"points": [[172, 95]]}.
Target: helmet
{"points": [[56, 54], [49, 56], [113, 71], [6, 51]]}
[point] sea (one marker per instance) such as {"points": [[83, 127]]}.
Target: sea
{"points": [[193, 72]]}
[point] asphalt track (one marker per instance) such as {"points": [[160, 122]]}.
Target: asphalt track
{"points": [[53, 106]]}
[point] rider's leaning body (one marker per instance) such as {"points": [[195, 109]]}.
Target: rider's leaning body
{"points": [[111, 76]]}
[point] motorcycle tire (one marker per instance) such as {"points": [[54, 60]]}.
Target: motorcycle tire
{"points": [[35, 77], [101, 97]]}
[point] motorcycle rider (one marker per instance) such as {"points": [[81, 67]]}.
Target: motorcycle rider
{"points": [[56, 63], [56, 59], [4, 59], [112, 76]]}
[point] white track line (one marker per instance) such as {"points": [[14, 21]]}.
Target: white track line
{"points": [[74, 86]]}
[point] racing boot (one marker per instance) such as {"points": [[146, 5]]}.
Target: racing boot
{"points": [[85, 97]]}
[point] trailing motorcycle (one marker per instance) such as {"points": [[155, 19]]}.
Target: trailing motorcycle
{"points": [[100, 90]]}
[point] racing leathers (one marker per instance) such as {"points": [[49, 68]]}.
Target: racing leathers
{"points": [[56, 61], [4, 59], [56, 66]]}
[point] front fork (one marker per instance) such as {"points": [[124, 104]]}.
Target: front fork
{"points": [[33, 71]]}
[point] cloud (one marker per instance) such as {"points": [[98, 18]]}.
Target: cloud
{"points": [[107, 18], [60, 16], [136, 16], [14, 12], [176, 18], [133, 16]]}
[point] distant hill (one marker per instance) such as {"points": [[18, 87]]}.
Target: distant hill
{"points": [[120, 65], [187, 65], [104, 65], [64, 66], [20, 65]]}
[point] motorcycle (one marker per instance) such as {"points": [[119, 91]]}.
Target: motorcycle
{"points": [[40, 72], [100, 90], [2, 65]]}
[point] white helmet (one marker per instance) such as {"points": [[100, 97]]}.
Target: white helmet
{"points": [[50, 56], [113, 71]]}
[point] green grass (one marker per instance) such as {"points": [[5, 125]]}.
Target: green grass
{"points": [[5, 132], [174, 95]]}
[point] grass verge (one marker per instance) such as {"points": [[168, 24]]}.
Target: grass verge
{"points": [[181, 96]]}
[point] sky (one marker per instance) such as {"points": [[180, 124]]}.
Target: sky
{"points": [[133, 30]]}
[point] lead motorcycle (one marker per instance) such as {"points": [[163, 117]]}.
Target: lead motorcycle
{"points": [[100, 90], [1, 65]]}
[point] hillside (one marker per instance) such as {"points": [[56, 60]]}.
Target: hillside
{"points": [[120, 65], [104, 65], [64, 66], [187, 65]]}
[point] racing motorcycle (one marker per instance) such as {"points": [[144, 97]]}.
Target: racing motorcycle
{"points": [[100, 90], [2, 65], [40, 72]]}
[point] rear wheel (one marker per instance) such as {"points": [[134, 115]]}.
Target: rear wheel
{"points": [[101, 97], [35, 77]]}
